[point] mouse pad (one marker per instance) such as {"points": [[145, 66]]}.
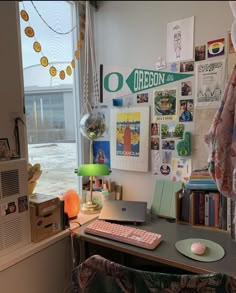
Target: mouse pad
{"points": [[213, 250]]}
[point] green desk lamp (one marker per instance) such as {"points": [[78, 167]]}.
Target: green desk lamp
{"points": [[92, 170]]}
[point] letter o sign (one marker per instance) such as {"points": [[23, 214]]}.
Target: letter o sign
{"points": [[113, 82]]}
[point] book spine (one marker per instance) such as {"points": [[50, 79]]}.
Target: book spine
{"points": [[228, 214], [201, 208], [220, 211], [207, 209], [216, 207], [211, 210], [196, 207], [224, 212]]}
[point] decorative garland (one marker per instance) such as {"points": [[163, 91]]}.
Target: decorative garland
{"points": [[29, 32]]}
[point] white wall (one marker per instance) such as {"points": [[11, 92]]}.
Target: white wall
{"points": [[48, 271], [133, 34]]}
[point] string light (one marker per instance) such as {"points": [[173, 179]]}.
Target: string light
{"points": [[30, 33]]}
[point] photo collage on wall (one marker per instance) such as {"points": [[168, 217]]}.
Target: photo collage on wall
{"points": [[173, 107], [190, 76]]}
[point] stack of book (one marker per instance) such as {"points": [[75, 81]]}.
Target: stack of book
{"points": [[201, 180], [211, 208]]}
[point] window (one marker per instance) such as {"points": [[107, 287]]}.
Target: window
{"points": [[51, 103]]}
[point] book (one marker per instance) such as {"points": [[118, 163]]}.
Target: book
{"points": [[201, 208], [185, 202], [228, 214], [206, 209], [211, 214], [224, 212], [216, 209], [201, 181]]}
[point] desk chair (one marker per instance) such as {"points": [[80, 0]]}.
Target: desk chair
{"points": [[100, 275]]}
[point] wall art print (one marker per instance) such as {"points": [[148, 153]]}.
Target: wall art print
{"points": [[130, 138], [210, 79]]}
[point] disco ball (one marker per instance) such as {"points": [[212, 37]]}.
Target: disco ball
{"points": [[92, 125]]}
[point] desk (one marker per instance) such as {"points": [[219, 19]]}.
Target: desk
{"points": [[166, 253]]}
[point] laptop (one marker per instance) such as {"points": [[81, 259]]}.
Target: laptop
{"points": [[123, 211]]}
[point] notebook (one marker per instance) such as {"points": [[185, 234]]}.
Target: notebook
{"points": [[124, 211]]}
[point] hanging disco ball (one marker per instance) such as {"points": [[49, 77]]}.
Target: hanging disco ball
{"points": [[92, 125]]}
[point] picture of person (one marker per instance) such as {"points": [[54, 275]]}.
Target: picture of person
{"points": [[22, 204], [200, 53], [11, 208], [186, 111], [155, 143], [187, 66], [100, 157], [155, 129], [186, 88], [101, 152], [142, 98]]}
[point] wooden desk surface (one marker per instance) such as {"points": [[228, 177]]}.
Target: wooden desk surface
{"points": [[166, 253]]}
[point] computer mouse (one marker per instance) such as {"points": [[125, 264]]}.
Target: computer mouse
{"points": [[198, 248]]}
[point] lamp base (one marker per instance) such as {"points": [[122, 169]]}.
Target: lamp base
{"points": [[90, 207]]}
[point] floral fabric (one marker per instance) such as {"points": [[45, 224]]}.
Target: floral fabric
{"points": [[100, 275], [221, 139]]}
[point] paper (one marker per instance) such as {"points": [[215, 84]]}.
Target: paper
{"points": [[180, 169], [129, 142], [164, 108], [210, 77], [180, 40]]}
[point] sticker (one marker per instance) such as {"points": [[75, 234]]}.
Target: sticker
{"points": [[22, 203], [11, 208], [165, 170]]}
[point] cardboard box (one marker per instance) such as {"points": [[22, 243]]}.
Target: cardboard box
{"points": [[45, 216]]}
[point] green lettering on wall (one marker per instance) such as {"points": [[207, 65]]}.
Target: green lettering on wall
{"points": [[119, 83]]}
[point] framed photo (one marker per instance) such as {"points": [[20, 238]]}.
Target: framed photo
{"points": [[130, 138], [4, 148]]}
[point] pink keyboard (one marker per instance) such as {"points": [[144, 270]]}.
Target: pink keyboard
{"points": [[122, 233]]}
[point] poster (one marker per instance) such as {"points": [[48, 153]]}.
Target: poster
{"points": [[129, 144], [210, 78], [101, 152], [180, 169], [164, 105], [180, 40]]}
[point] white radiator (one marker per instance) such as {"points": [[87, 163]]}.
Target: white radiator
{"points": [[14, 206]]}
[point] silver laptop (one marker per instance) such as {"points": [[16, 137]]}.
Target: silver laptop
{"points": [[123, 211]]}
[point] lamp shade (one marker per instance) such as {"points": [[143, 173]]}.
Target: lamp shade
{"points": [[93, 170]]}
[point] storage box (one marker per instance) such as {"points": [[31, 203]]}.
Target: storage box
{"points": [[45, 216]]}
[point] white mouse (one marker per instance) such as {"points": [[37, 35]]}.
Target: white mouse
{"points": [[198, 248]]}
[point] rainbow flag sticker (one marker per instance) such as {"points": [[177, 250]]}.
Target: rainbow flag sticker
{"points": [[216, 48]]}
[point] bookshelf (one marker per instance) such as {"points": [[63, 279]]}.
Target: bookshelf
{"points": [[203, 206]]}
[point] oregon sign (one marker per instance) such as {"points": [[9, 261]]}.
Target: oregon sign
{"points": [[119, 82]]}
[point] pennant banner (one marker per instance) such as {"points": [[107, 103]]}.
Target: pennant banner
{"points": [[119, 81]]}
